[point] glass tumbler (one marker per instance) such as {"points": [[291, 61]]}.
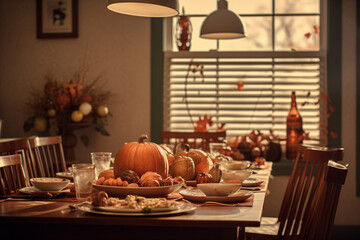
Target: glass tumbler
{"points": [[101, 160], [84, 175]]}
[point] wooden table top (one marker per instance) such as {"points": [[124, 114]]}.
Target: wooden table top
{"points": [[58, 212]]}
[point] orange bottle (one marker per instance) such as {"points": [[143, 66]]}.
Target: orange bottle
{"points": [[294, 130]]}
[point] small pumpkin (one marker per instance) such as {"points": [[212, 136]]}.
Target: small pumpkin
{"points": [[129, 176], [201, 159], [109, 173], [203, 178], [141, 157], [184, 167], [215, 173]]}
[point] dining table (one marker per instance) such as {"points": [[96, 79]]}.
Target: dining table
{"points": [[62, 218]]}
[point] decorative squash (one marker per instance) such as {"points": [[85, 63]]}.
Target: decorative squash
{"points": [[141, 157], [129, 176], [203, 178], [201, 159], [169, 153], [184, 167], [109, 173], [182, 149], [215, 173], [150, 177]]}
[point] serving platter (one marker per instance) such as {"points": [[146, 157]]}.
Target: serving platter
{"points": [[195, 195], [131, 210], [182, 208], [161, 191]]}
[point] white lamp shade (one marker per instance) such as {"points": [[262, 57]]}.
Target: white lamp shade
{"points": [[145, 8], [222, 24]]}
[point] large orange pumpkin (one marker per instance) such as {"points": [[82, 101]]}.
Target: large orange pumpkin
{"points": [[141, 157]]}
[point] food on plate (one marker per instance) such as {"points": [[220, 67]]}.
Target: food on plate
{"points": [[203, 178], [183, 166], [216, 173], [260, 161], [100, 181], [148, 179], [141, 157], [132, 202], [107, 174], [113, 182], [129, 176]]}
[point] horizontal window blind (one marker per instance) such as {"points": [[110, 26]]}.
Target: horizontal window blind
{"points": [[245, 91]]}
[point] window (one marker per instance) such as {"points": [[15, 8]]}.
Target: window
{"points": [[247, 83]]}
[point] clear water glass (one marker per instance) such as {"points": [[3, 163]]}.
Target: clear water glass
{"points": [[84, 175], [215, 148], [101, 160]]}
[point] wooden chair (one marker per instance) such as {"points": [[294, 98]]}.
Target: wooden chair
{"points": [[11, 174], [49, 155], [199, 140], [322, 215], [306, 181], [21, 146]]}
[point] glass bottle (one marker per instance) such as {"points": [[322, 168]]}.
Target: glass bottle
{"points": [[294, 130]]}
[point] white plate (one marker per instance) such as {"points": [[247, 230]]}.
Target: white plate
{"points": [[67, 175], [252, 182], [183, 208], [197, 196], [129, 210], [161, 191], [30, 190]]}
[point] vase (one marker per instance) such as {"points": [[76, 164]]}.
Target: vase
{"points": [[183, 33]]}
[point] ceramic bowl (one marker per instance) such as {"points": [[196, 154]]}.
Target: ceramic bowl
{"points": [[219, 189], [236, 165], [235, 175], [49, 184]]}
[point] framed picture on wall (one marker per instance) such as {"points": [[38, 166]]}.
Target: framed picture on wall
{"points": [[57, 18]]}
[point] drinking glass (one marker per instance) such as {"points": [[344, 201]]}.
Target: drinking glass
{"points": [[101, 160], [215, 148], [84, 175]]}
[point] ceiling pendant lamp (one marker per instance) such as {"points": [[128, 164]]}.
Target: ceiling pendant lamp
{"points": [[145, 8], [222, 24]]}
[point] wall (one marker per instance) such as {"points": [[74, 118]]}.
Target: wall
{"points": [[118, 48]]}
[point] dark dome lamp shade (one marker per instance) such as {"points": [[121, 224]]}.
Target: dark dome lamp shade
{"points": [[223, 24], [145, 8]]}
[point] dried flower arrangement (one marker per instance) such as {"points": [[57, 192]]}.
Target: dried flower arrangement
{"points": [[77, 101]]}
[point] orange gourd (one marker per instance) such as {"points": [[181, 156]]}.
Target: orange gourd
{"points": [[201, 159], [141, 157]]}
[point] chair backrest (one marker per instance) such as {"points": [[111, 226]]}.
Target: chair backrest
{"points": [[322, 216], [21, 146], [11, 174], [49, 155], [199, 140], [306, 179]]}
